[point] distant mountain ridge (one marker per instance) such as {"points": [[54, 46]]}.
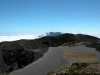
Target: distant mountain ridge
{"points": [[26, 37], [52, 40], [50, 34]]}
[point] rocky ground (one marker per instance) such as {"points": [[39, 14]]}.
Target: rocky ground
{"points": [[18, 54], [79, 69], [82, 61], [13, 57], [53, 60]]}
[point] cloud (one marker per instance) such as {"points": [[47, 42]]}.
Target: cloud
{"points": [[97, 35], [16, 37]]}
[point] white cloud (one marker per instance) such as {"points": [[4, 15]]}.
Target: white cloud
{"points": [[16, 37], [97, 35]]}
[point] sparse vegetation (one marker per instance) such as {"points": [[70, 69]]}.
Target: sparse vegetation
{"points": [[76, 70], [81, 56], [89, 67]]}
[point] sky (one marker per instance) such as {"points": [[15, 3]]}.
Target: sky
{"points": [[28, 17]]}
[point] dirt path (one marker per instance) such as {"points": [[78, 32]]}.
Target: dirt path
{"points": [[52, 61]]}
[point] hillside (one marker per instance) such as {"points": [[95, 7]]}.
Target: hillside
{"points": [[23, 47], [54, 41]]}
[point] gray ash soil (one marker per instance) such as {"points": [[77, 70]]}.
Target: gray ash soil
{"points": [[51, 61]]}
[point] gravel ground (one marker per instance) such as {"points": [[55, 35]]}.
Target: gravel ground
{"points": [[52, 61], [82, 48]]}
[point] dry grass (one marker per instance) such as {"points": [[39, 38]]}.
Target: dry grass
{"points": [[81, 56]]}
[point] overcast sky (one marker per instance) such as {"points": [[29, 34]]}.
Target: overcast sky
{"points": [[39, 16]]}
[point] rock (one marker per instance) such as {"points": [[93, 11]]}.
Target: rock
{"points": [[13, 57], [25, 58]]}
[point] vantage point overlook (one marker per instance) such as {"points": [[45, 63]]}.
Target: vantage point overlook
{"points": [[49, 37]]}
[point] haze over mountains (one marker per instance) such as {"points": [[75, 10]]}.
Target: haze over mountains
{"points": [[16, 37], [19, 37], [51, 34], [32, 36]]}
